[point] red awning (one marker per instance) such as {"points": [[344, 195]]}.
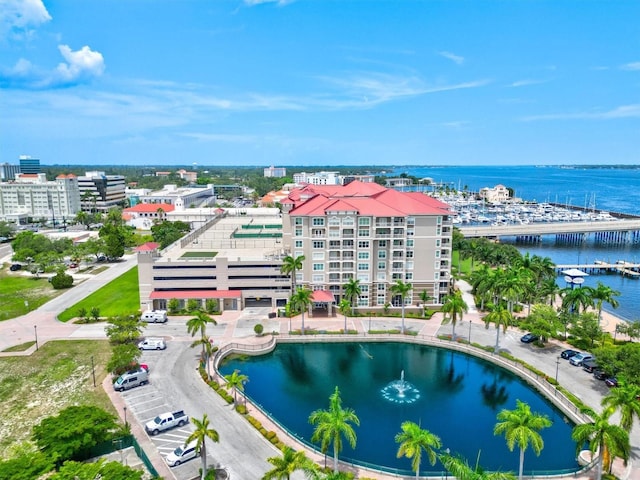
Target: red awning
{"points": [[196, 294], [322, 296]]}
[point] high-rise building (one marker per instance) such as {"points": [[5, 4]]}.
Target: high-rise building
{"points": [[100, 192], [29, 164], [8, 172], [275, 172]]}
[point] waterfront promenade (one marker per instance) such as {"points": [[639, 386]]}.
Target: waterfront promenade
{"points": [[550, 228]]}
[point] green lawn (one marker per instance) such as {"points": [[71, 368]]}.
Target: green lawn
{"points": [[17, 288], [197, 254], [118, 297], [58, 375]]}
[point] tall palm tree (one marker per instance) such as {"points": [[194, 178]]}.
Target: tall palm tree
{"points": [[332, 425], [520, 427], [208, 349], [345, 307], [624, 398], [502, 318], [605, 438], [575, 298], [424, 298], [460, 469], [289, 462], [301, 300], [401, 289], [199, 324], [604, 294], [352, 291], [413, 440], [454, 308], [200, 434], [235, 382], [290, 265]]}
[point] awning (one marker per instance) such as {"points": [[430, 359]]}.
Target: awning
{"points": [[322, 296], [574, 272], [168, 295]]}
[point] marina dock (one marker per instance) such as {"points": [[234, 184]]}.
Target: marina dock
{"points": [[628, 269]]}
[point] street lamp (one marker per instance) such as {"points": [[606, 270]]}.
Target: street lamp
{"points": [[469, 332], [126, 424], [35, 331], [557, 366]]}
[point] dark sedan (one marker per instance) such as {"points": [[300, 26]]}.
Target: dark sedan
{"points": [[529, 338], [567, 354], [611, 382]]}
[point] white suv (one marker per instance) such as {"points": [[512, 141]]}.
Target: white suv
{"points": [[152, 344], [181, 454]]}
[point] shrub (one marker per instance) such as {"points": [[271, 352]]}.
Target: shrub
{"points": [[258, 329], [61, 280]]}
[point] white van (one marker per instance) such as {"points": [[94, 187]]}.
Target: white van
{"points": [[154, 316], [152, 343], [182, 454], [131, 379]]}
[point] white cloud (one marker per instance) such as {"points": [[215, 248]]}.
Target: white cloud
{"points": [[526, 82], [633, 66], [623, 111], [18, 17], [280, 3], [80, 67], [457, 59]]}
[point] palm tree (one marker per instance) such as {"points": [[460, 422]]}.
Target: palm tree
{"points": [[352, 290], [624, 398], [301, 300], [207, 350], [235, 382], [520, 427], [607, 439], [424, 298], [332, 425], [344, 306], [501, 317], [289, 462], [401, 289], [454, 308], [413, 440], [603, 293], [574, 298], [290, 265], [199, 324], [460, 469], [200, 434]]}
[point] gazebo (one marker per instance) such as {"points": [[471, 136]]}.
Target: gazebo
{"points": [[574, 277], [323, 297]]}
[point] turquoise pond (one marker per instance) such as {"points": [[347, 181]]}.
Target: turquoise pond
{"points": [[454, 395]]}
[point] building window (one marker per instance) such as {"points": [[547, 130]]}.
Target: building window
{"points": [[436, 275], [382, 244], [409, 265], [380, 300], [438, 231], [318, 244], [363, 244], [363, 266], [347, 221], [318, 278], [363, 255], [382, 265], [298, 232], [318, 255], [298, 243], [363, 277], [298, 221], [363, 232], [318, 267], [410, 242], [382, 254], [439, 221], [438, 242], [318, 222], [411, 221], [437, 253], [381, 276], [363, 301], [396, 276], [408, 276], [364, 221]]}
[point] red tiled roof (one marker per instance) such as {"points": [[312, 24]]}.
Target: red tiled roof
{"points": [[322, 296], [196, 294], [151, 208], [147, 247]]}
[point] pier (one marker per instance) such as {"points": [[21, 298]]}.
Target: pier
{"points": [[628, 269]]}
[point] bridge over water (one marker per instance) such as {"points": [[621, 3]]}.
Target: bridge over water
{"points": [[610, 231]]}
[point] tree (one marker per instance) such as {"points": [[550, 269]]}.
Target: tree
{"points": [[290, 265], [587, 328], [424, 298], [502, 318], [173, 305], [603, 293], [344, 308], [122, 357], [200, 434], [607, 439], [332, 425], [27, 466], [624, 398], [235, 382], [460, 469], [208, 350], [193, 305], [166, 233], [101, 469], [70, 434], [211, 305], [352, 291], [401, 289], [454, 308], [289, 462], [61, 280], [543, 322], [413, 440], [520, 427], [199, 324], [301, 301], [121, 329], [576, 299]]}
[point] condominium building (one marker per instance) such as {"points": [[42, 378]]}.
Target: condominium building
{"points": [[376, 235], [8, 172], [275, 172], [497, 194], [29, 164], [317, 178], [181, 197], [100, 192], [30, 195]]}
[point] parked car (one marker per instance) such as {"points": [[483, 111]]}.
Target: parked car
{"points": [[529, 338], [73, 265], [152, 343], [15, 267], [181, 454], [589, 365], [611, 382], [567, 354], [600, 374], [131, 379], [579, 358], [154, 316], [165, 421]]}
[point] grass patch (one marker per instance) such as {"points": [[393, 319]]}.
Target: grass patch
{"points": [[20, 348], [15, 290], [198, 254], [58, 375], [121, 296]]}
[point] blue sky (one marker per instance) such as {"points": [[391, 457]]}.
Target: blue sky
{"points": [[320, 82]]}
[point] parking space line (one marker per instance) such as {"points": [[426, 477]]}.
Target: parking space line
{"points": [[172, 435]]}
